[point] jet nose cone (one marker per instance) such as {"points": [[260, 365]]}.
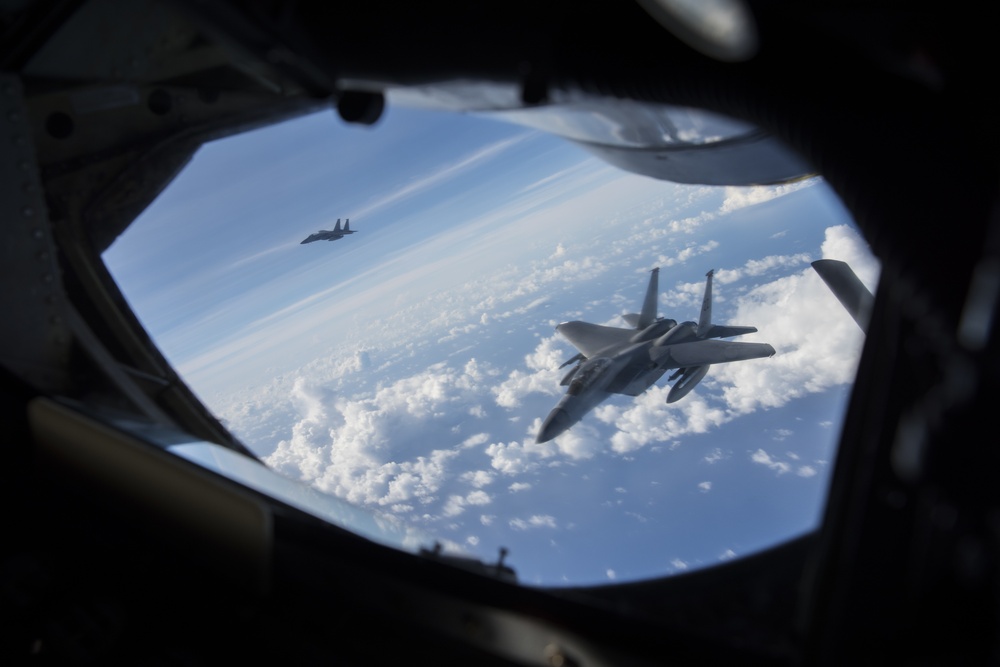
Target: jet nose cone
{"points": [[554, 425]]}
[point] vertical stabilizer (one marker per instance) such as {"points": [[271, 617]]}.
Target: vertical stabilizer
{"points": [[347, 225], [705, 319], [648, 315], [337, 228]]}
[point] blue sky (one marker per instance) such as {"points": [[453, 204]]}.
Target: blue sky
{"points": [[406, 368], [205, 260]]}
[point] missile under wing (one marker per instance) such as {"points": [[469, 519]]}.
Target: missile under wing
{"points": [[615, 360]]}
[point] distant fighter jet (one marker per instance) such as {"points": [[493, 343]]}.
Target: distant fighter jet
{"points": [[330, 235], [614, 360]]}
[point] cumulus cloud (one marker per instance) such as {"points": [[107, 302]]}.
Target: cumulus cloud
{"points": [[742, 197], [479, 497], [454, 506], [763, 458], [715, 455], [477, 478], [535, 521], [817, 344], [373, 451], [650, 419], [457, 504], [705, 487], [678, 564], [544, 378], [757, 267], [513, 458], [686, 254], [577, 443]]}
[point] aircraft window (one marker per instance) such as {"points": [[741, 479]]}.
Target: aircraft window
{"points": [[408, 367]]}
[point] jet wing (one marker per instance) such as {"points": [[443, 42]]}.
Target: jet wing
{"points": [[592, 338], [703, 352], [717, 331]]}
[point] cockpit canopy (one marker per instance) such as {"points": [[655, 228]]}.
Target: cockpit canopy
{"points": [[588, 373]]}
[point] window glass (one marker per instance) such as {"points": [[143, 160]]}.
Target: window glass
{"points": [[408, 367]]}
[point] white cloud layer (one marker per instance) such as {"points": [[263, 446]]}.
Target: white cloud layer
{"points": [[430, 442], [358, 449], [372, 450]]}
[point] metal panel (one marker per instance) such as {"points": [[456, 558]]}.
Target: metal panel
{"points": [[34, 340]]}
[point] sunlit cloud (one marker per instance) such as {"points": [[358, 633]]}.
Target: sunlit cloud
{"points": [[713, 456], [742, 197], [477, 478], [535, 521], [763, 458], [817, 343]]}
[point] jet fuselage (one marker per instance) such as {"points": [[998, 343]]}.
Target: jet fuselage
{"points": [[334, 234], [629, 361]]}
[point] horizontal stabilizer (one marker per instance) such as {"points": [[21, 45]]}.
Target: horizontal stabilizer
{"points": [[592, 338], [702, 352], [717, 331], [631, 319]]}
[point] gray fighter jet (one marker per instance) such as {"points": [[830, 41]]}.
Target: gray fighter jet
{"points": [[330, 234], [614, 360]]}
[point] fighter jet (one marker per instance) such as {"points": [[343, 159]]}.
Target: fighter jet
{"points": [[614, 360], [330, 235]]}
